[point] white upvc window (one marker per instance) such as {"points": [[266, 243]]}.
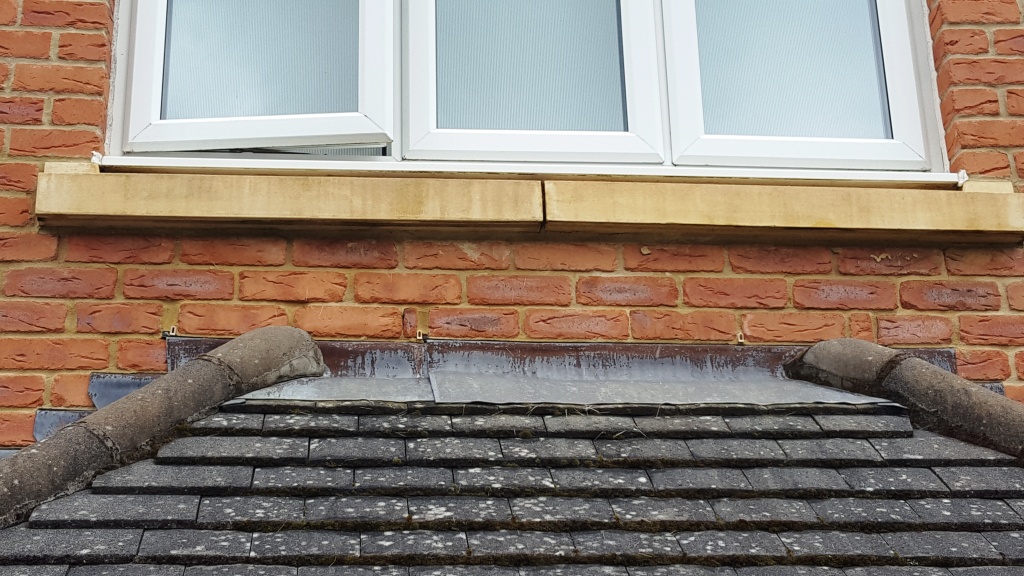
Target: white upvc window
{"points": [[533, 80], [783, 83], [225, 74], [647, 87]]}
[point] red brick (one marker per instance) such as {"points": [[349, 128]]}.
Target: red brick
{"points": [[72, 111], [21, 390], [844, 294], [890, 262], [60, 78], [914, 330], [1015, 104], [458, 255], [20, 177], [71, 391], [5, 72], [54, 354], [567, 324], [1009, 41], [992, 330], [410, 323], [949, 295], [969, 102], [862, 327], [119, 318], [980, 71], [27, 247], [700, 326], [234, 251], [179, 284], [46, 142], [16, 428], [978, 163], [61, 282], [673, 258], [292, 286], [142, 355], [1018, 363], [977, 12], [519, 290], [227, 320], [627, 291], [15, 211], [559, 256], [736, 292], [983, 365], [21, 110], [8, 12], [120, 249], [66, 14], [24, 44], [474, 323], [345, 254], [18, 316], [1015, 295], [1018, 159], [985, 261], [780, 260], [989, 133], [1014, 391], [959, 41], [350, 321], [83, 46], [397, 288], [800, 327]]}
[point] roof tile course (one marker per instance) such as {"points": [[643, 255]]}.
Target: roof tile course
{"points": [[345, 494]]}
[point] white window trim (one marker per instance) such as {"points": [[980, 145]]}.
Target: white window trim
{"points": [[373, 124], [907, 103], [121, 156], [643, 142]]}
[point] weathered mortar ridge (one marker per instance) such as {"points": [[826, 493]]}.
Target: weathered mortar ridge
{"points": [[131, 428], [938, 400]]}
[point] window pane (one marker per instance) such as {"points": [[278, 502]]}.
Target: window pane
{"points": [[227, 58], [530, 65], [792, 68]]}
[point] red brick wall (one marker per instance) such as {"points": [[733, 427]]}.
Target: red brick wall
{"points": [[71, 304], [979, 45]]}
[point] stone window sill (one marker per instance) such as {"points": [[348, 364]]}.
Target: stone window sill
{"points": [[80, 196]]}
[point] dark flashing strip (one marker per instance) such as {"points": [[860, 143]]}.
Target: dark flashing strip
{"points": [[49, 421], [386, 359], [360, 407], [554, 374], [106, 388]]}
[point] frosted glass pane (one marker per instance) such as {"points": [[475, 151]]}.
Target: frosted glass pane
{"points": [[792, 68], [228, 58], [529, 65]]}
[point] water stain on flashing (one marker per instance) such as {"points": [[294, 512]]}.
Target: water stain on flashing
{"points": [[456, 371]]}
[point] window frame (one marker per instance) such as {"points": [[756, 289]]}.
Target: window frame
{"points": [[152, 155], [373, 124], [907, 150], [642, 143]]}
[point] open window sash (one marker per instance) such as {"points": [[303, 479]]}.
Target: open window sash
{"points": [[372, 124]]}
